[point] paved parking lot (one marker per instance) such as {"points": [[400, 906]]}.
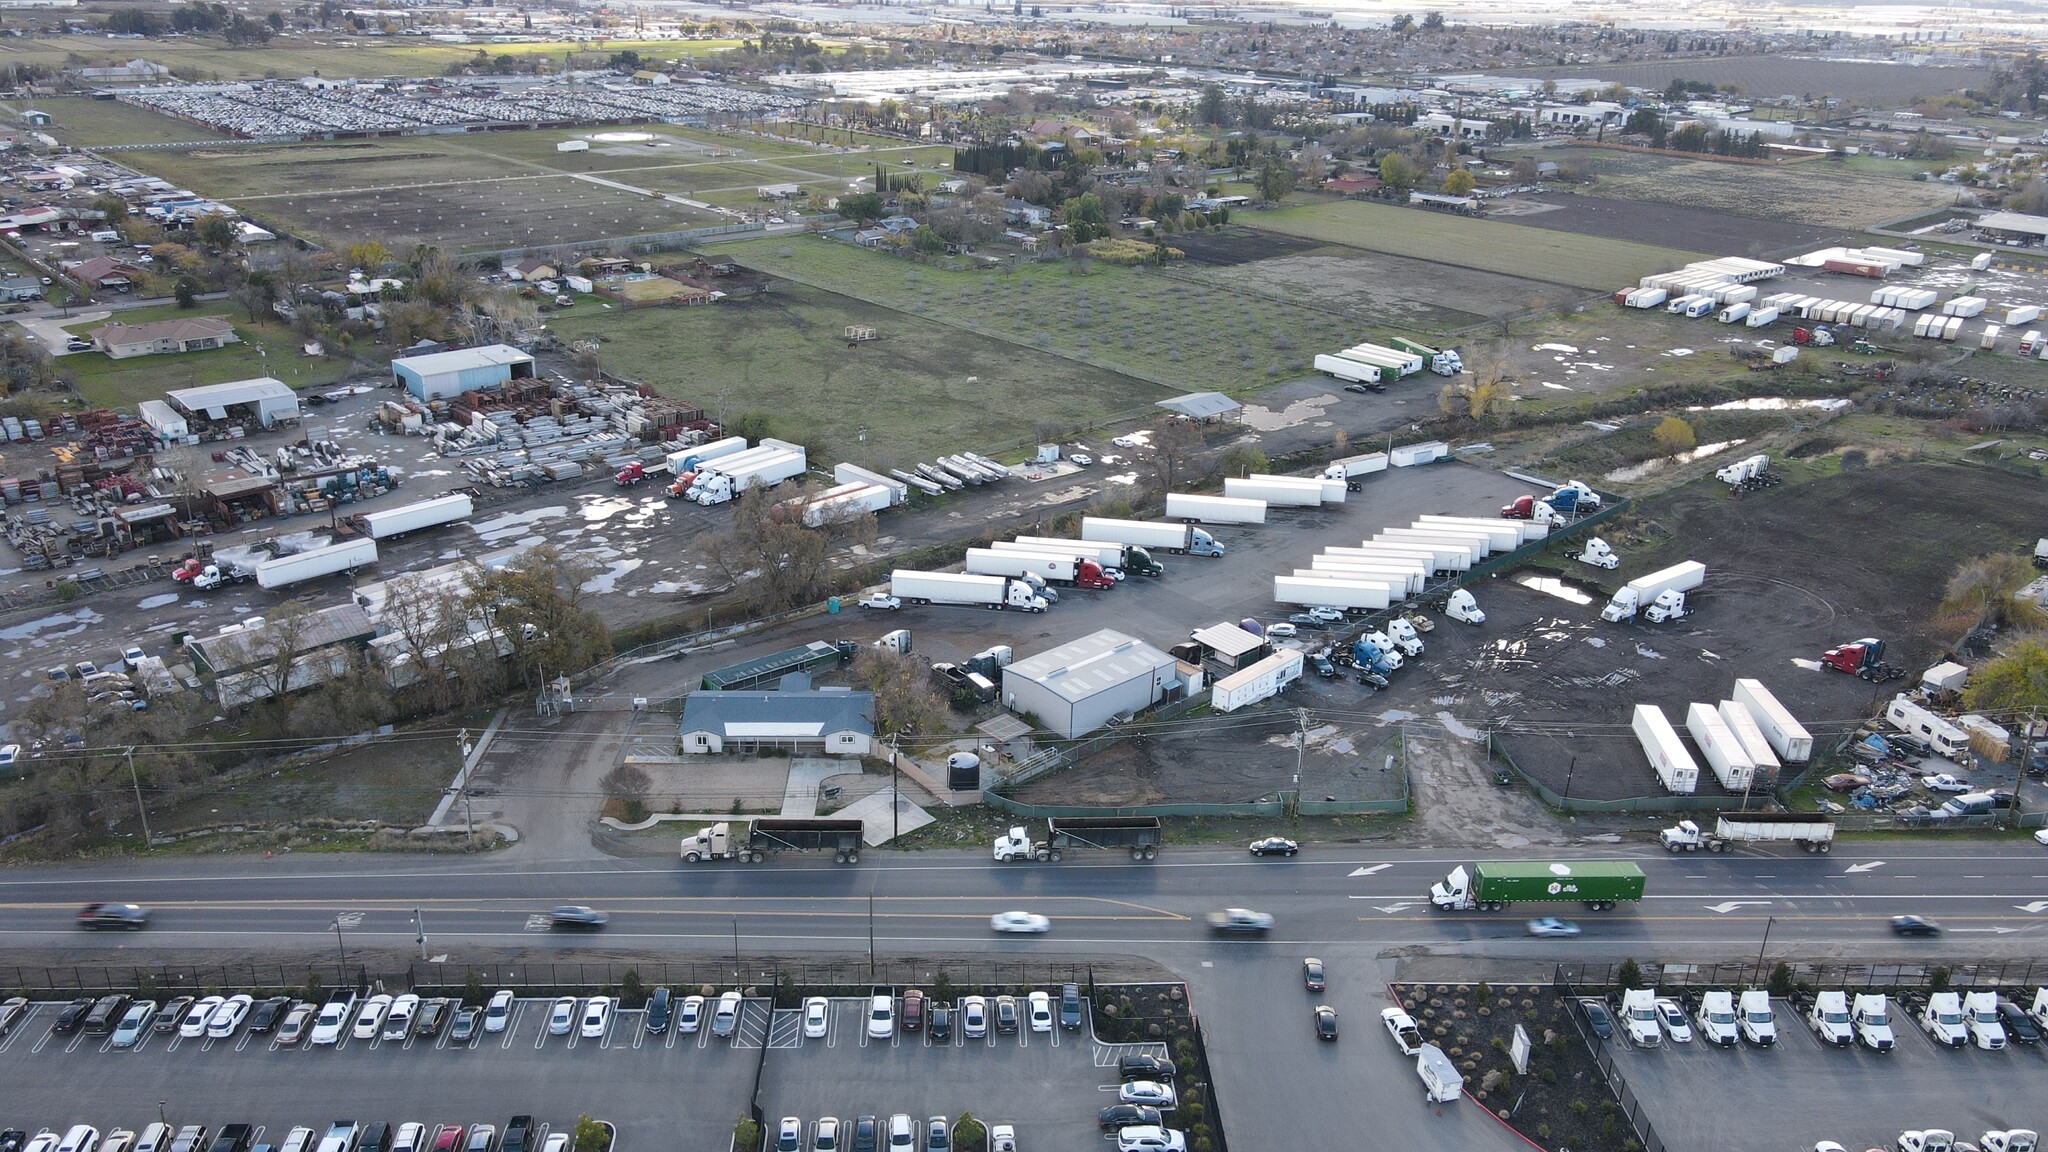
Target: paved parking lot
{"points": [[1802, 1091], [54, 1081]]}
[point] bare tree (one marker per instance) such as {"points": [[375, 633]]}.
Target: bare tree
{"points": [[905, 701], [1174, 447]]}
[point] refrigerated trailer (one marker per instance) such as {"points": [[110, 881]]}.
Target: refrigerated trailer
{"points": [[1316, 592], [1790, 740], [1152, 534], [1449, 557], [689, 459], [413, 517], [1069, 569], [1353, 371], [1106, 554], [899, 492], [1491, 885], [284, 571], [1214, 509], [1421, 556], [964, 590], [1668, 758], [1352, 467], [1718, 744], [1278, 491], [1475, 544], [1404, 580], [1507, 535]]}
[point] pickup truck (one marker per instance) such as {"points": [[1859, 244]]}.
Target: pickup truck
{"points": [[1242, 921]]}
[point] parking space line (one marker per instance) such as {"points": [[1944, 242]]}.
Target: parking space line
{"points": [[786, 1030]]}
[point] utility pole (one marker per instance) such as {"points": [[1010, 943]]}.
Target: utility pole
{"points": [[1300, 749], [735, 950], [419, 920], [341, 968], [871, 934], [1768, 921], [139, 808]]}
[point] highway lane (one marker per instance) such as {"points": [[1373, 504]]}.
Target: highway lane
{"points": [[1993, 902]]}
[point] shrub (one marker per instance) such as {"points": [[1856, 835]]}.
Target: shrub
{"points": [[591, 1136], [472, 989], [746, 1135], [1781, 979], [631, 991], [969, 1134], [1629, 975], [1937, 979]]}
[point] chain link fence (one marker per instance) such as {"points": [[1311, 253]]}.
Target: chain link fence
{"points": [[1631, 1107]]}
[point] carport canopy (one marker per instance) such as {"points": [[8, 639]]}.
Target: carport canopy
{"points": [[1227, 640], [1201, 405]]}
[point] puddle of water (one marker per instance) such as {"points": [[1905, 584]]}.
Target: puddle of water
{"points": [[608, 580], [1597, 641], [1455, 728], [164, 600], [1123, 478], [511, 524], [1552, 586], [1679, 352], [598, 509], [1299, 412], [61, 625], [1651, 467]]}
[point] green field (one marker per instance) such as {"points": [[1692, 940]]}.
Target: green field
{"points": [[329, 54], [125, 383], [1170, 328], [920, 389], [86, 123], [1509, 249]]}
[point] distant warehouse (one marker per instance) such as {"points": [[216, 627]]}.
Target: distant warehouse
{"points": [[444, 375], [1081, 686]]}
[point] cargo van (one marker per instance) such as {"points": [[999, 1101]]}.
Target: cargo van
{"points": [[1967, 804]]}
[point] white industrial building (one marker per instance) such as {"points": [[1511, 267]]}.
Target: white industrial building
{"points": [[1080, 686], [445, 375], [265, 399]]}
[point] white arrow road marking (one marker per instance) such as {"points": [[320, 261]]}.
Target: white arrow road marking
{"points": [[1371, 870], [1727, 906], [2000, 931], [1853, 869], [1393, 908], [2036, 906]]}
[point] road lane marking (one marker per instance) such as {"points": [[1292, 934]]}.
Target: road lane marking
{"points": [[1856, 869], [1369, 871], [2035, 906], [1727, 906]]}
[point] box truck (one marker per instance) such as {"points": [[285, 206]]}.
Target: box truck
{"points": [[284, 571], [1215, 509], [1332, 591], [413, 517], [1673, 764], [1076, 570], [1787, 737], [963, 589], [1722, 751], [1660, 596], [1159, 535], [1810, 833], [1491, 885], [754, 840]]}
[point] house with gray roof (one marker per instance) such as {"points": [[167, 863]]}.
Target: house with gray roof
{"points": [[798, 719]]}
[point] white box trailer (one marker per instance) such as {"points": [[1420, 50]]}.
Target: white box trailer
{"points": [[1748, 734], [2024, 314], [719, 483], [1478, 545], [1409, 363], [1354, 371], [1719, 747], [1262, 680], [1506, 534], [1106, 554], [1791, 741], [1410, 455], [1761, 317], [283, 571], [899, 492], [1990, 337], [1646, 298], [413, 517], [1449, 557], [1423, 557], [1965, 306], [1395, 363], [846, 502], [1045, 565], [688, 459], [1214, 509], [1735, 313], [963, 589], [1352, 467], [1638, 593], [1276, 491], [1405, 582], [1672, 763], [1317, 591], [1153, 535]]}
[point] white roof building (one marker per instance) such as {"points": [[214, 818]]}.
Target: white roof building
{"points": [[1082, 685], [272, 399]]}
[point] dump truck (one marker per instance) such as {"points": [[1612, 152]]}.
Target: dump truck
{"points": [[1139, 834], [1491, 885], [1183, 538], [1810, 833], [754, 840]]}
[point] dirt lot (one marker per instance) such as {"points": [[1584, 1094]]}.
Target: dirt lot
{"points": [[1789, 572], [1766, 77], [1815, 193], [1721, 233]]}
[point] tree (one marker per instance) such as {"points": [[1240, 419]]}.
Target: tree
{"points": [[1433, 22], [1401, 23], [592, 1137], [1398, 172], [1275, 180], [1629, 974], [1173, 445], [368, 255], [2015, 681], [1459, 183], [1214, 106], [771, 558], [1085, 217], [905, 701], [536, 602], [112, 207], [969, 1134], [276, 21], [862, 208], [1980, 595], [187, 292], [1673, 435], [1244, 459], [216, 231], [927, 241]]}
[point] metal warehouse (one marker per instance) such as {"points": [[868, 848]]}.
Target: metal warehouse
{"points": [[266, 399], [445, 375], [1079, 687]]}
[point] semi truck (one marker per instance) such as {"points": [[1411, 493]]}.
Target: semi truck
{"points": [[1076, 570], [1660, 596], [689, 459], [1444, 362], [1352, 467], [1140, 835], [221, 574], [1491, 885], [963, 589], [1160, 535], [717, 484], [1787, 737], [1809, 833], [413, 517], [1334, 591], [1277, 491], [1668, 758], [1723, 752], [1187, 506], [1126, 557], [764, 671], [284, 571], [754, 840]]}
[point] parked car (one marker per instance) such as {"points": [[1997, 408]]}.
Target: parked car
{"points": [[1280, 631], [1139, 1066], [597, 1017], [725, 1019], [72, 1018], [398, 1020], [1152, 1092], [913, 1010], [330, 1023], [468, 1023], [691, 1016], [499, 1011], [941, 1029], [482, 1138], [296, 1021], [370, 1017], [229, 1016], [1038, 1006], [1673, 1018], [881, 601], [434, 1015], [816, 1015], [1126, 1116], [172, 1014], [1006, 1014], [881, 1016], [268, 1015], [1598, 1019], [12, 1011], [1274, 846], [1149, 1138], [134, 1024], [2019, 1027], [1070, 1006], [825, 1135], [562, 1018], [194, 1024], [1944, 782], [789, 1135], [974, 1017], [1312, 974]]}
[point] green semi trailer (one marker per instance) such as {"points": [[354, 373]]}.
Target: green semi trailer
{"points": [[1495, 884]]}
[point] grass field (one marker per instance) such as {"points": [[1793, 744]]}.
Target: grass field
{"points": [[88, 123], [1173, 329], [323, 54], [1460, 241], [1850, 194], [920, 389], [265, 350]]}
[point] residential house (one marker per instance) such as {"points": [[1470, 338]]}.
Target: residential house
{"points": [[1352, 184], [651, 79], [895, 225], [833, 721], [183, 334], [1020, 212], [871, 238], [532, 268]]}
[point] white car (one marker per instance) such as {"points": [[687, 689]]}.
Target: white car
{"points": [[1040, 1004], [1148, 1092], [789, 1137], [597, 1017], [881, 600], [1150, 1138], [974, 1017], [10, 753], [562, 1019], [196, 1016], [409, 1138], [2040, 836], [398, 1021], [1019, 922], [1401, 1026], [1674, 1021], [881, 1017], [825, 1135], [1281, 631], [1944, 782], [229, 1016], [1080, 459], [498, 1013], [371, 1017], [690, 1016], [815, 1010], [330, 1023], [1129, 442], [725, 1019], [301, 1140], [132, 656]]}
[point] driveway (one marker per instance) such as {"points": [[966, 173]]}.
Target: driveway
{"points": [[49, 328]]}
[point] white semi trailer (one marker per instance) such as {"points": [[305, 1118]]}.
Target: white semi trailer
{"points": [[284, 571], [1673, 764], [1214, 509]]}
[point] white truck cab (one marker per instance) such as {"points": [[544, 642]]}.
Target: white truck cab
{"points": [[1639, 1016], [1942, 1020], [1829, 1019], [1872, 1018], [1716, 1019], [1759, 1025], [1461, 606], [1927, 1140], [2010, 1140], [1980, 1016]]}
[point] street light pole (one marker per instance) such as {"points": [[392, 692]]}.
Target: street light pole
{"points": [[419, 920], [871, 934], [1567, 803], [735, 951], [341, 968], [1768, 921], [147, 840]]}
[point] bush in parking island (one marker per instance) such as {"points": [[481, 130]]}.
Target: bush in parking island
{"points": [[592, 1136], [969, 1134], [746, 1135]]}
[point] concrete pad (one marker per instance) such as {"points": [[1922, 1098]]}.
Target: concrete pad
{"points": [[885, 815], [806, 775]]}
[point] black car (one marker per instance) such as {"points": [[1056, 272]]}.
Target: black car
{"points": [[1006, 1015], [867, 1134], [660, 1010], [171, 1014], [1275, 846], [376, 1137], [2019, 1027], [1070, 1006], [466, 1022], [72, 1018], [1915, 926], [940, 1025], [1312, 974], [1141, 1067], [1127, 1116], [97, 915], [433, 1017], [518, 1134], [577, 918], [233, 1138], [1326, 1022], [1597, 1017], [269, 1014], [12, 1139], [1322, 666]]}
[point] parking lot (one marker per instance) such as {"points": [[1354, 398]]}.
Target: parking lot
{"points": [[1801, 1091]]}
